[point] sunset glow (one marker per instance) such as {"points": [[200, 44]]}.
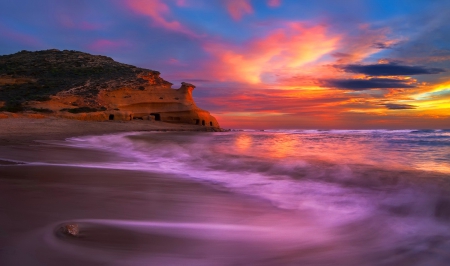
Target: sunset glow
{"points": [[267, 64]]}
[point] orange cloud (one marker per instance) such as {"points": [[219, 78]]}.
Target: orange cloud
{"points": [[285, 49], [256, 107], [238, 8], [433, 100], [159, 12]]}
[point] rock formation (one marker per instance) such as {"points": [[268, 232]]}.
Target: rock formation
{"points": [[78, 85]]}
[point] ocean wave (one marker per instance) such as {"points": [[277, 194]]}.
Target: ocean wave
{"points": [[339, 189], [245, 164]]}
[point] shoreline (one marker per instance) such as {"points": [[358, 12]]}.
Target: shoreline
{"points": [[22, 130], [142, 216]]}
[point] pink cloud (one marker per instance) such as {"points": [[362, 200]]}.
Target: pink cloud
{"points": [[20, 37], [238, 8], [274, 3], [181, 3], [176, 62], [107, 45], [89, 26], [160, 14]]}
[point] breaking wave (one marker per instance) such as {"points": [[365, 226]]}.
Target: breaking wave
{"points": [[380, 193]]}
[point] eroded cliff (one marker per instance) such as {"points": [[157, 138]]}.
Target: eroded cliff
{"points": [[78, 85]]}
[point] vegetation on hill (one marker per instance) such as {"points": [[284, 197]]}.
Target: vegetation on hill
{"points": [[35, 76]]}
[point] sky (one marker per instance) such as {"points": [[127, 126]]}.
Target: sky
{"points": [[287, 64]]}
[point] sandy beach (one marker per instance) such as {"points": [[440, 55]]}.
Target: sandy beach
{"points": [[165, 197], [36, 199], [23, 130]]}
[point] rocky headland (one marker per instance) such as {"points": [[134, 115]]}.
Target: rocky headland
{"points": [[81, 86]]}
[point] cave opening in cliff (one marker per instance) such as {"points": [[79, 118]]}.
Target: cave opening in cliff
{"points": [[197, 121], [210, 124], [111, 117], [157, 116], [203, 122]]}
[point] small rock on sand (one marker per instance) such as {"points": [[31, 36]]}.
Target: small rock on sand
{"points": [[71, 229]]}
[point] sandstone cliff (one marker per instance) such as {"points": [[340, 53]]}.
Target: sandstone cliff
{"points": [[78, 85]]}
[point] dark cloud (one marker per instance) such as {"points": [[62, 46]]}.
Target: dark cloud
{"points": [[364, 84], [383, 45], [397, 106], [390, 69], [341, 55]]}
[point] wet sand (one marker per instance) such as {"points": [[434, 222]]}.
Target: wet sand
{"points": [[27, 130], [35, 199]]}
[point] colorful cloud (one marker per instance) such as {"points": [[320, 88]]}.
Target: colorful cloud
{"points": [[159, 13], [274, 3], [238, 8], [283, 49]]}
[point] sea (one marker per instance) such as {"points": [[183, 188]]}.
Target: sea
{"points": [[348, 197]]}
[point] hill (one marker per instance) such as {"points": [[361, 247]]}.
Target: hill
{"points": [[79, 85]]}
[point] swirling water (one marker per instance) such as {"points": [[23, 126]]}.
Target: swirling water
{"points": [[289, 168]]}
